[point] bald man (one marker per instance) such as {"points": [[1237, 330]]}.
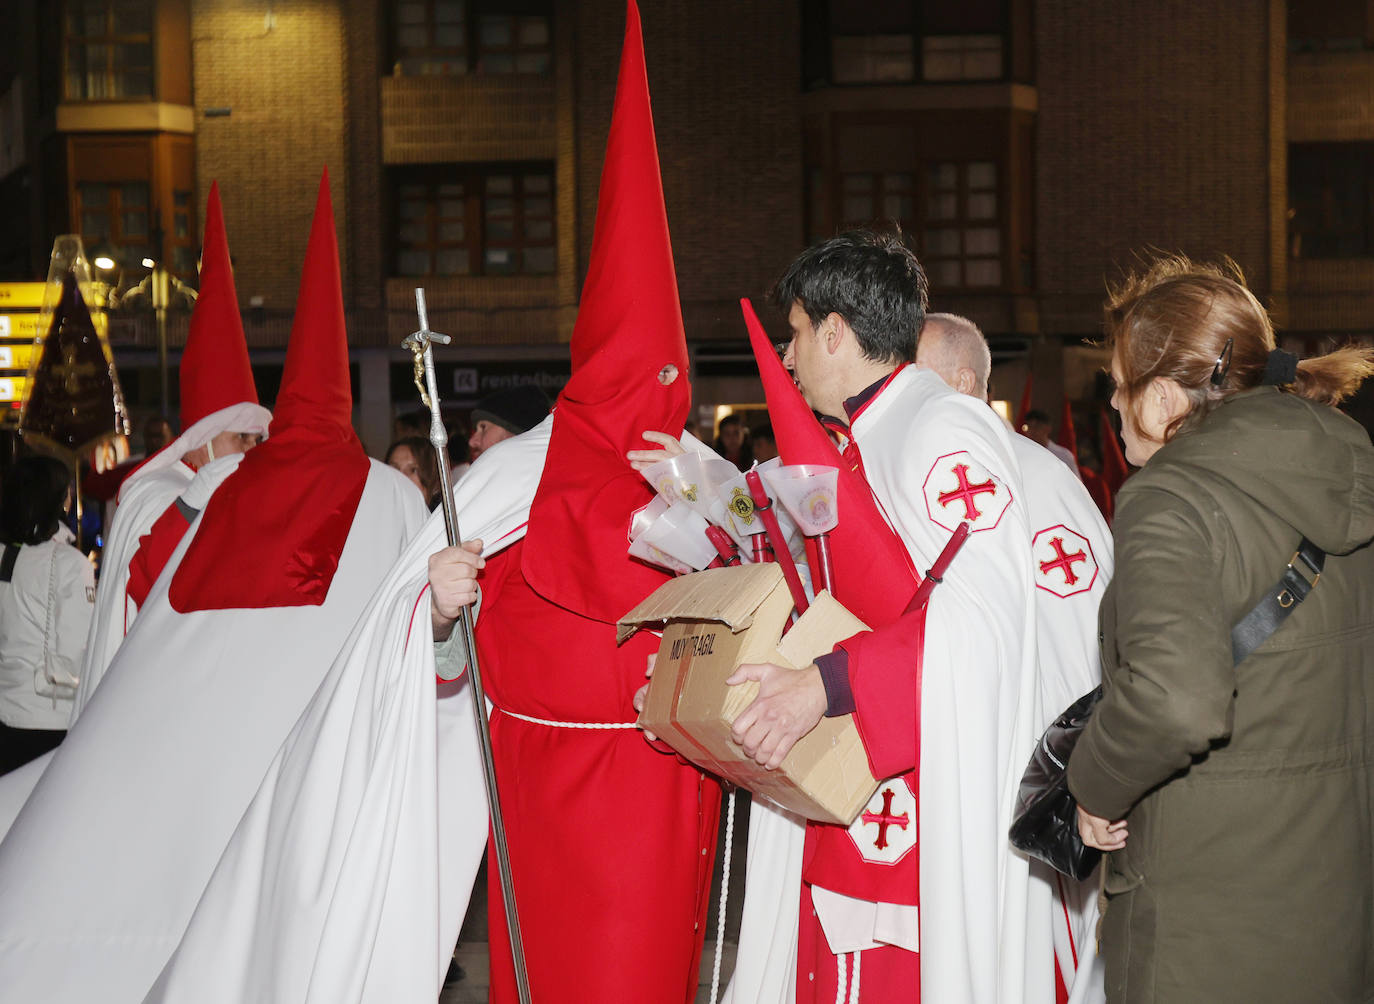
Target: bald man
{"points": [[1072, 561]]}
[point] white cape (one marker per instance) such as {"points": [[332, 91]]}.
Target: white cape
{"points": [[991, 941], [1070, 665], [103, 868], [348, 877], [141, 502]]}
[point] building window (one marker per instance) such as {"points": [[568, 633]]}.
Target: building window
{"points": [[116, 220], [109, 49], [961, 232], [953, 221], [903, 41], [181, 242], [1329, 26], [879, 198], [1331, 200], [482, 220], [472, 36], [961, 57]]}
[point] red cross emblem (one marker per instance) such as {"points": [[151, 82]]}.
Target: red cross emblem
{"points": [[966, 493], [885, 818], [1064, 561], [892, 809], [959, 489]]}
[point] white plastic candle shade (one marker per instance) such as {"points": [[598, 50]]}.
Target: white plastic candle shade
{"points": [[641, 520], [681, 533], [808, 493], [645, 551]]}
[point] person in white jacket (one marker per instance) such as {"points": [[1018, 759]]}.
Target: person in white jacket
{"points": [[47, 588]]}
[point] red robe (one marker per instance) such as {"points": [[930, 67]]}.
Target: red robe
{"points": [[612, 843]]}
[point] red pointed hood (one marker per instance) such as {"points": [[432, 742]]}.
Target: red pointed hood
{"points": [[629, 329], [272, 534], [215, 372], [872, 571]]}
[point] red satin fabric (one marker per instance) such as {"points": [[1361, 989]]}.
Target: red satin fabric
{"points": [[272, 534], [886, 974], [629, 327], [215, 371], [154, 551], [612, 843]]}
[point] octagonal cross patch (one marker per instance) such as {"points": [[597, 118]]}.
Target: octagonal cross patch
{"points": [[1064, 561], [886, 830], [958, 489]]}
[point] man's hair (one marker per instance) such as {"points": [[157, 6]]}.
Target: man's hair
{"points": [[31, 503], [958, 343], [870, 279], [1036, 415]]}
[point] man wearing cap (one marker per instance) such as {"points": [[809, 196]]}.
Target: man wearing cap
{"points": [[220, 419], [505, 414]]}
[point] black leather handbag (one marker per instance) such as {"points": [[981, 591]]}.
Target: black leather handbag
{"points": [[1045, 821]]}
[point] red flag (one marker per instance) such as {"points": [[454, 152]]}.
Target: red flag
{"points": [[1114, 469], [1068, 437], [1025, 408], [873, 576], [629, 374], [272, 534]]}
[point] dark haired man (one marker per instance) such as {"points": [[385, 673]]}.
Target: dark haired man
{"points": [[947, 713]]}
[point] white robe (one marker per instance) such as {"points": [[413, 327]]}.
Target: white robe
{"points": [[348, 877], [987, 931], [143, 497], [104, 866], [1070, 666], [142, 500]]}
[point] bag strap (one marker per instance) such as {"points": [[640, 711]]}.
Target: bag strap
{"points": [[1280, 601], [7, 562]]}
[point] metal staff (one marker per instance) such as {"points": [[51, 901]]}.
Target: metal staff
{"points": [[421, 345]]}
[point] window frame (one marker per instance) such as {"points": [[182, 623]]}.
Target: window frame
{"points": [[917, 227], [1362, 222], [819, 24], [111, 40], [472, 52], [477, 241]]}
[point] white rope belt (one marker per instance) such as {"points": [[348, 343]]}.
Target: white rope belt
{"points": [[569, 725]]}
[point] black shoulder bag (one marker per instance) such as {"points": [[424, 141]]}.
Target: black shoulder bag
{"points": [[1045, 821]]}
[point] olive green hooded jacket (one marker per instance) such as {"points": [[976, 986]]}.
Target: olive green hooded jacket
{"points": [[1248, 873]]}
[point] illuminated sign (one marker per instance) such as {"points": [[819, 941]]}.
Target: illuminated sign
{"points": [[13, 388], [15, 357], [21, 295]]}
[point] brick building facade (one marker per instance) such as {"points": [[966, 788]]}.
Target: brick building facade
{"points": [[1028, 147]]}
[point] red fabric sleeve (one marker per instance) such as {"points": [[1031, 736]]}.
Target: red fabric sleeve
{"points": [[154, 551], [885, 679]]}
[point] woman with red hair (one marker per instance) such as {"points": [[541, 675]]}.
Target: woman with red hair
{"points": [[1233, 791]]}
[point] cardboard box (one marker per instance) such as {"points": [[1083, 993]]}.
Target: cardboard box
{"points": [[712, 622]]}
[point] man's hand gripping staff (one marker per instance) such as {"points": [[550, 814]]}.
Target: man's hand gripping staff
{"points": [[457, 566]]}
